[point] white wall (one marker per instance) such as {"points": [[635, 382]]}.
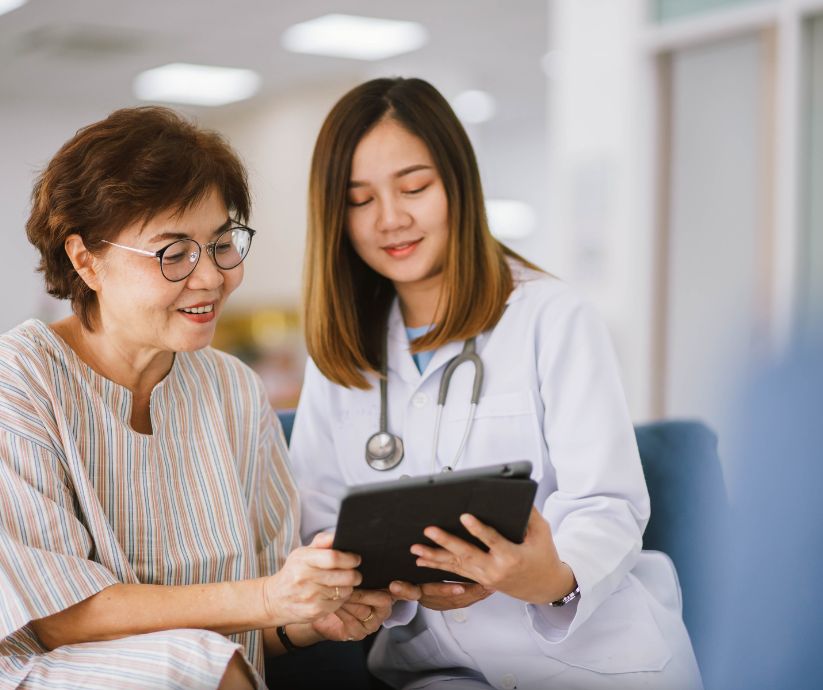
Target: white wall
{"points": [[718, 231], [29, 137], [275, 139], [600, 238]]}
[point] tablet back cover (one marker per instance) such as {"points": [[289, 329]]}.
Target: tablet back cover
{"points": [[383, 525]]}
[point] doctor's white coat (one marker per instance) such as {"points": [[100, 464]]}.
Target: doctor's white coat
{"points": [[551, 395]]}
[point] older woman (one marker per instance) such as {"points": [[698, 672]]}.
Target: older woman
{"points": [[147, 509]]}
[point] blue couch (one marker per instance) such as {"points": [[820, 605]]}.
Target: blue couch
{"points": [[688, 508]]}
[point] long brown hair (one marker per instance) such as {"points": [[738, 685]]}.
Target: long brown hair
{"points": [[346, 303]]}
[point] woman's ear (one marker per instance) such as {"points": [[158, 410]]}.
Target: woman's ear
{"points": [[85, 263]]}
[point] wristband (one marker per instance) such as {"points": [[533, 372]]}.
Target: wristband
{"points": [[284, 639]]}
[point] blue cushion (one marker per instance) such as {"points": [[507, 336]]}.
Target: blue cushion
{"points": [[688, 509]]}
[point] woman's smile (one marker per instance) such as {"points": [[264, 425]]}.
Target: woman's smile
{"points": [[203, 312], [400, 250]]}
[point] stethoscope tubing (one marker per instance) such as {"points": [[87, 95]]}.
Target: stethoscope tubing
{"points": [[468, 354]]}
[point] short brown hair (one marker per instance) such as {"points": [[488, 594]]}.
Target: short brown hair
{"points": [[127, 168], [346, 302]]}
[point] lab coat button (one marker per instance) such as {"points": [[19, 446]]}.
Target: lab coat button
{"points": [[420, 400], [459, 616], [508, 682]]}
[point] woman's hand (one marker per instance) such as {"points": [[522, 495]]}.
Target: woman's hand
{"points": [[314, 581], [440, 596], [361, 615], [531, 571]]}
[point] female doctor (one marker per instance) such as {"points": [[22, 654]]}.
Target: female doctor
{"points": [[403, 277]]}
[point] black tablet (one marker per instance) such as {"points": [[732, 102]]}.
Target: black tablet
{"points": [[381, 521]]}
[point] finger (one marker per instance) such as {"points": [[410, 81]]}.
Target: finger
{"points": [[459, 547], [337, 578], [441, 556], [338, 593], [355, 629], [322, 540], [488, 535], [329, 559], [371, 597], [434, 599], [475, 592], [372, 620], [450, 567], [405, 590], [442, 589], [359, 611]]}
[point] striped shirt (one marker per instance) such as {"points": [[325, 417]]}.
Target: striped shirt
{"points": [[87, 502]]}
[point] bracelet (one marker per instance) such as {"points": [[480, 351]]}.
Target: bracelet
{"points": [[284, 639]]}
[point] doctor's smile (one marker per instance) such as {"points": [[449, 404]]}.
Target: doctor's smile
{"points": [[401, 249]]}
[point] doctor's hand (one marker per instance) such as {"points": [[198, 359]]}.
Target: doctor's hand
{"points": [[440, 596], [362, 614], [314, 581], [531, 571]]}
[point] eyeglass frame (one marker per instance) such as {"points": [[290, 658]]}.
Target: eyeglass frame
{"points": [[209, 247]]}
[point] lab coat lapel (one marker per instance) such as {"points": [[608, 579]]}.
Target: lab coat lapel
{"points": [[400, 359]]}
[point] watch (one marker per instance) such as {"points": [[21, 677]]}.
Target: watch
{"points": [[569, 597]]}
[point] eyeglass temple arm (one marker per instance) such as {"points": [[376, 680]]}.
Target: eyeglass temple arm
{"points": [[144, 252]]}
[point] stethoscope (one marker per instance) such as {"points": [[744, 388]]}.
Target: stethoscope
{"points": [[384, 451]]}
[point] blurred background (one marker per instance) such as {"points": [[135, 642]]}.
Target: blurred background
{"points": [[665, 157]]}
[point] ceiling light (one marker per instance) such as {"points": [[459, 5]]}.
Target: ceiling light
{"points": [[474, 107], [510, 219], [349, 36], [9, 5], [196, 84]]}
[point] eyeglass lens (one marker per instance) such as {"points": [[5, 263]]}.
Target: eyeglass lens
{"points": [[228, 251]]}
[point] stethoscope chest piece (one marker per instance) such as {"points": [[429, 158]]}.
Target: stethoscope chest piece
{"points": [[384, 451]]}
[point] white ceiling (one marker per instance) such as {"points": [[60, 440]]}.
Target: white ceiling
{"points": [[87, 52]]}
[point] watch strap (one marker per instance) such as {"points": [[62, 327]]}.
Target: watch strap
{"points": [[569, 597], [284, 639]]}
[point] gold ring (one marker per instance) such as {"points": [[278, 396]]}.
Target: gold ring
{"points": [[336, 592], [368, 618]]}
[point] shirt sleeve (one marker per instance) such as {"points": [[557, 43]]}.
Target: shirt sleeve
{"points": [[319, 479], [601, 505], [276, 503], [46, 551]]}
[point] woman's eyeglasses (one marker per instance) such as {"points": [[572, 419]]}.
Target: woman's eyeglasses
{"points": [[179, 259]]}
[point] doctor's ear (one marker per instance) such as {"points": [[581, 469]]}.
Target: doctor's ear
{"points": [[85, 263]]}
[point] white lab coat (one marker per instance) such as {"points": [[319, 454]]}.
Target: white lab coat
{"points": [[551, 395]]}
